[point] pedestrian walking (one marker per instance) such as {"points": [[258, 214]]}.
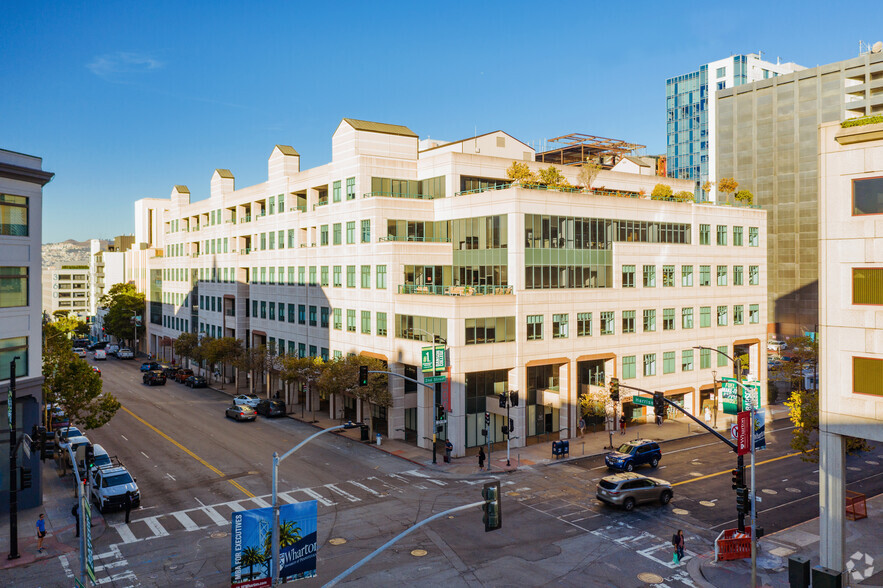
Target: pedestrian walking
{"points": [[75, 511], [677, 541], [659, 420], [128, 504], [449, 447], [41, 532], [622, 424], [582, 425], [707, 416], [481, 457]]}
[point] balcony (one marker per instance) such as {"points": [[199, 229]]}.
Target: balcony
{"points": [[244, 251], [456, 290], [411, 239], [245, 219], [399, 195]]}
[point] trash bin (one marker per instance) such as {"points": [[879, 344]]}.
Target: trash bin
{"points": [[378, 438]]}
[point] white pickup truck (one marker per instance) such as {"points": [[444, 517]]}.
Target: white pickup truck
{"points": [[109, 487]]}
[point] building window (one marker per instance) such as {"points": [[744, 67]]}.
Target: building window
{"points": [[629, 366], [754, 314], [301, 275], [336, 234], [350, 276], [13, 347], [721, 72], [366, 322], [628, 276], [301, 314], [668, 276], [323, 317], [350, 232], [366, 276], [351, 320], [335, 191], [722, 359], [323, 235], [704, 316], [687, 276], [704, 359], [290, 238], [263, 309], [687, 360], [705, 234], [649, 364], [867, 196], [649, 320], [738, 275], [312, 316], [499, 329], [753, 275], [534, 327], [722, 234], [351, 188], [753, 237], [381, 277], [607, 327], [13, 287], [13, 219], [705, 275], [668, 319], [649, 276], [721, 275], [336, 276], [628, 321], [668, 362], [381, 324], [687, 318], [867, 285], [584, 324], [867, 375], [272, 313], [738, 314], [366, 231], [737, 236], [323, 275], [559, 326], [338, 321]]}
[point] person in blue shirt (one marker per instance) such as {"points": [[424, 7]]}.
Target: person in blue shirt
{"points": [[41, 532]]}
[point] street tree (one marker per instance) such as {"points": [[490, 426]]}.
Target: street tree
{"points": [[303, 372], [342, 376], [224, 351], [661, 191], [186, 346], [727, 186], [123, 302], [253, 361], [595, 405]]}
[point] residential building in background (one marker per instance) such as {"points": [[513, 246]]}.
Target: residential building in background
{"points": [[690, 109], [851, 303], [67, 288], [21, 211], [396, 245], [767, 139]]}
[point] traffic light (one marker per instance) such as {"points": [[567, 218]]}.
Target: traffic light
{"points": [[511, 426], [738, 478], [89, 456], [493, 512], [487, 419], [513, 398], [503, 400], [658, 404], [743, 504], [363, 375], [505, 429], [25, 478], [614, 389]]}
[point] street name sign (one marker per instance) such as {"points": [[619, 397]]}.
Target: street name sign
{"points": [[642, 401], [435, 379]]}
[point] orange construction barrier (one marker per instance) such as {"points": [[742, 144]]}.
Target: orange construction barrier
{"points": [[856, 508], [732, 544]]}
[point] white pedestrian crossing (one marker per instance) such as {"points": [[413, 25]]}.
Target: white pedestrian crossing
{"points": [[343, 493], [214, 515], [185, 521], [153, 525]]}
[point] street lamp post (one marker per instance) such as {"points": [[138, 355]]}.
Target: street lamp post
{"points": [[435, 405]]}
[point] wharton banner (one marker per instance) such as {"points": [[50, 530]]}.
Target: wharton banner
{"points": [[251, 538]]}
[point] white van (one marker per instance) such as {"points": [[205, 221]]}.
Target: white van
{"points": [[100, 354]]}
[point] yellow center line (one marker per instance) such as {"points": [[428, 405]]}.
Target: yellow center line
{"points": [[234, 483], [728, 471]]}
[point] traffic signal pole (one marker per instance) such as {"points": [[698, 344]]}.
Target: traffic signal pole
{"points": [[13, 466]]}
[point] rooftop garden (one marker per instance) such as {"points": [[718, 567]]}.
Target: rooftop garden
{"points": [[861, 121]]}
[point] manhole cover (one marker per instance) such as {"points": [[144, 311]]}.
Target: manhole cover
{"points": [[680, 511], [418, 552], [337, 541], [649, 578], [706, 503], [218, 535], [794, 490], [769, 491]]}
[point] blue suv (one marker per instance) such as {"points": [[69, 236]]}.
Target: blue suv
{"points": [[634, 453]]}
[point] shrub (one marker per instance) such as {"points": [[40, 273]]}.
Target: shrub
{"points": [[661, 191]]}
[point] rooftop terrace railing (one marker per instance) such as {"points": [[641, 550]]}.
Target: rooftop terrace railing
{"points": [[399, 195], [455, 290]]}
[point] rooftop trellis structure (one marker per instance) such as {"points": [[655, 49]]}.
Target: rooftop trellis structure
{"points": [[576, 148]]}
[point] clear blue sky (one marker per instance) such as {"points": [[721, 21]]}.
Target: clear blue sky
{"points": [[123, 100]]}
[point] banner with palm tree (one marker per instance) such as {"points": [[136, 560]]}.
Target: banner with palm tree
{"points": [[251, 543]]}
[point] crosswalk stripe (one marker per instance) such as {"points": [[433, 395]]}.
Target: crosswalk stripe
{"points": [[126, 533], [416, 474], [214, 515], [436, 482], [315, 496], [343, 493], [365, 488], [158, 530], [185, 521], [398, 477], [235, 506], [261, 502], [284, 496]]}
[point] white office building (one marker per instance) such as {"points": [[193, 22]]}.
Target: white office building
{"points": [[396, 243], [66, 288]]}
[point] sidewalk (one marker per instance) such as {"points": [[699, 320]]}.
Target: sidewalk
{"points": [[58, 499], [864, 553]]}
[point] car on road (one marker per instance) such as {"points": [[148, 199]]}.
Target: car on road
{"points": [[195, 382], [96, 370], [628, 489], [634, 453], [98, 345], [241, 412], [169, 371], [154, 378], [182, 374], [150, 365], [109, 487], [99, 355], [112, 349], [271, 408], [247, 400], [80, 352], [125, 353]]}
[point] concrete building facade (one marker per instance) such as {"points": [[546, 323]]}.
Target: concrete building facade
{"points": [[21, 211], [390, 247], [67, 288]]}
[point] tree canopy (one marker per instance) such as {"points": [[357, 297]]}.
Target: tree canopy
{"points": [[588, 171], [520, 172], [123, 301], [661, 191], [727, 186], [342, 376], [552, 177], [745, 197]]}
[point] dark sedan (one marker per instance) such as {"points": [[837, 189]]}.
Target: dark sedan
{"points": [[154, 378], [271, 408], [195, 382], [241, 412]]}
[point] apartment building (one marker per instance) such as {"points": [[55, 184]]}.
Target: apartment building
{"points": [[690, 108], [767, 139], [67, 288], [21, 193], [396, 245], [851, 304], [107, 266]]}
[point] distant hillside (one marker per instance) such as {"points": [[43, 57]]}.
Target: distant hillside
{"points": [[68, 252]]}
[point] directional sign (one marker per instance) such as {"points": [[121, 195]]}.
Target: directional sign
{"points": [[642, 401], [435, 379]]}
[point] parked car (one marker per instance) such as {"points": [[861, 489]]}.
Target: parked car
{"points": [[74, 443], [195, 382], [80, 352], [101, 458], [628, 489], [247, 400], [125, 353], [182, 374], [97, 345], [149, 365], [241, 412], [96, 370], [169, 371], [99, 355], [634, 453], [109, 487], [62, 436], [271, 408], [775, 345], [112, 348], [154, 378]]}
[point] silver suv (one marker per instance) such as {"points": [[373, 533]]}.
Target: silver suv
{"points": [[628, 489]]}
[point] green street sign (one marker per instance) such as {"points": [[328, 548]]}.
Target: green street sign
{"points": [[426, 358], [642, 401], [730, 394], [435, 379]]}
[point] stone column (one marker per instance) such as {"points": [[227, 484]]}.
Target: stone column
{"points": [[832, 500], [396, 412]]}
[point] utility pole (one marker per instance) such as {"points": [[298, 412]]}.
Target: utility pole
{"points": [[13, 465]]}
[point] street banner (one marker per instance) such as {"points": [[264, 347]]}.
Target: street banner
{"points": [[730, 394], [433, 358], [252, 537], [760, 429], [743, 443]]}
